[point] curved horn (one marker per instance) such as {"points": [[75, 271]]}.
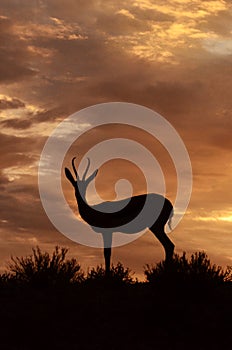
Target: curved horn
{"points": [[74, 168], [86, 170]]}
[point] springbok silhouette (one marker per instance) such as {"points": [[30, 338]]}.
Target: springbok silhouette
{"points": [[121, 216]]}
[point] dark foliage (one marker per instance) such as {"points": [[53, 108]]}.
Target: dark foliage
{"points": [[114, 312], [118, 275], [196, 272], [42, 269]]}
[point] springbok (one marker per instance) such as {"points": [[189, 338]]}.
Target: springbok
{"points": [[121, 216]]}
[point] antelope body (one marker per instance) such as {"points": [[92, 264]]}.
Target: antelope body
{"points": [[124, 215]]}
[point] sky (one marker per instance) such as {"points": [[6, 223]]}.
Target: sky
{"points": [[174, 57]]}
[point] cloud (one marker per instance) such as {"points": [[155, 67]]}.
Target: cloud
{"points": [[10, 103], [11, 69], [16, 123], [15, 150], [14, 55], [22, 11], [219, 46], [31, 116], [173, 57], [120, 24], [146, 14], [221, 24]]}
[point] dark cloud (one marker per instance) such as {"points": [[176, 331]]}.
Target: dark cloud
{"points": [[19, 151], [120, 24], [16, 123], [28, 119], [151, 15], [19, 10], [218, 25], [74, 9], [167, 97], [20, 211], [14, 56], [10, 69], [11, 103], [3, 181], [91, 13]]}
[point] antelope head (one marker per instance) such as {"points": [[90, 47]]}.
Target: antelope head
{"points": [[80, 185]]}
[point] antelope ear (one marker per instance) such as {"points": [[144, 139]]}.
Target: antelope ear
{"points": [[70, 177], [91, 177]]}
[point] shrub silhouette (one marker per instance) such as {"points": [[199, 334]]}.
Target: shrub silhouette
{"points": [[42, 269], [4, 279], [118, 275], [197, 271], [114, 312]]}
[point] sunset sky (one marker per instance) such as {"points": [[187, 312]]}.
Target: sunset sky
{"points": [[174, 57]]}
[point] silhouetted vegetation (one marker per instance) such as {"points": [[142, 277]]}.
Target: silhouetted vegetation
{"points": [[198, 271], [186, 304], [118, 275], [42, 269]]}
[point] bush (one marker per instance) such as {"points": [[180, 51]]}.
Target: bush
{"points": [[4, 279], [41, 269], [197, 271], [118, 275]]}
